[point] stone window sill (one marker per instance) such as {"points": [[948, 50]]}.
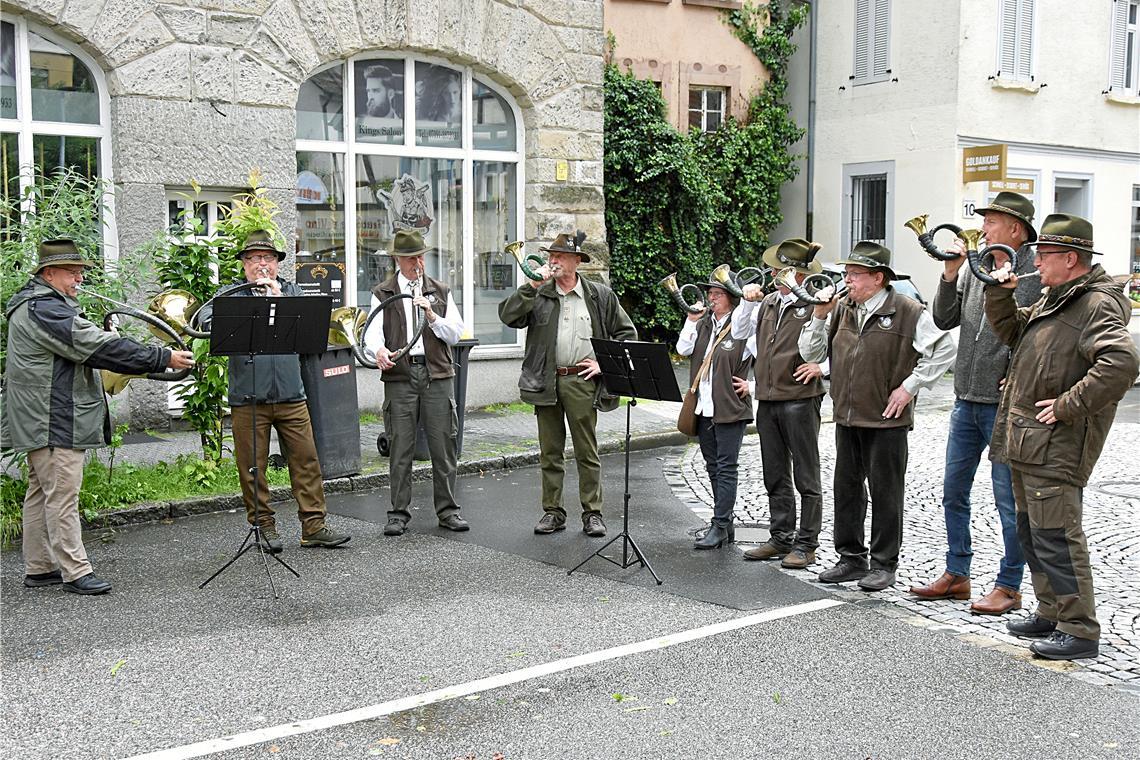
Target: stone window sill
{"points": [[1000, 83], [728, 4], [1123, 98]]}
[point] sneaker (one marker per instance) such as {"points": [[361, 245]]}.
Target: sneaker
{"points": [[325, 537], [550, 523], [36, 580], [87, 585], [798, 559], [272, 539], [593, 526]]}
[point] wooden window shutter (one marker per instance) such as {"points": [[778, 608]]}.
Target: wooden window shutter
{"points": [[1015, 47], [882, 49], [863, 31], [1119, 42]]}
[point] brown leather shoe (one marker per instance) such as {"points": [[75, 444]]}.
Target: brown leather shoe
{"points": [[767, 550], [949, 586], [998, 602]]}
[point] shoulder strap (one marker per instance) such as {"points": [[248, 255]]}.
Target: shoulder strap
{"points": [[709, 355]]}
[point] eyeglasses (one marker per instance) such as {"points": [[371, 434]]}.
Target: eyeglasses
{"points": [[76, 272], [260, 257], [854, 275]]}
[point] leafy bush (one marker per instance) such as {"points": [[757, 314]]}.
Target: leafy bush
{"points": [[686, 202]]}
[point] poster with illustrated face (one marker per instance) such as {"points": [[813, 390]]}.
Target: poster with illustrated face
{"points": [[439, 106], [379, 90], [410, 205]]}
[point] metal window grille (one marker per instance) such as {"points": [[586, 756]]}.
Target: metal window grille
{"points": [[869, 208]]}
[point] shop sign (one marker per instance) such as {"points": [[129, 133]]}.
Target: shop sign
{"points": [[983, 163]]}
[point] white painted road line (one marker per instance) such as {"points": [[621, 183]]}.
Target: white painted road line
{"points": [[371, 712]]}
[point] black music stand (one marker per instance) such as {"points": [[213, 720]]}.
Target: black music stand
{"points": [[252, 326], [636, 370]]}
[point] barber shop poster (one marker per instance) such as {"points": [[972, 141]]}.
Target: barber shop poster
{"points": [[379, 89]]}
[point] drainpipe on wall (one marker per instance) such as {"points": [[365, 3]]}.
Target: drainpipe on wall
{"points": [[810, 173]]}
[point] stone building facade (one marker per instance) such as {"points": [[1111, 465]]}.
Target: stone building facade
{"points": [[204, 91]]}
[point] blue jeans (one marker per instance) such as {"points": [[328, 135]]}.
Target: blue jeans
{"points": [[971, 425], [720, 446]]}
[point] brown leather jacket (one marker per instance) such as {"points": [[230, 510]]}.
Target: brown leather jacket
{"points": [[1072, 345]]}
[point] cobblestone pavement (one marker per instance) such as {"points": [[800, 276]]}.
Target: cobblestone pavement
{"points": [[1111, 522]]}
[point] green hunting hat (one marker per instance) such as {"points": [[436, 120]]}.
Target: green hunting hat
{"points": [[796, 253], [408, 243], [1067, 230], [260, 240], [567, 243], [873, 256], [61, 252], [1017, 206]]}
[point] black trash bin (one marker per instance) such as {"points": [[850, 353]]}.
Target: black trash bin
{"points": [[460, 353], [330, 385]]}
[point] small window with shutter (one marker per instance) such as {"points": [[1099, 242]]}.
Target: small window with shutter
{"points": [[1124, 68], [1015, 40], [872, 41]]}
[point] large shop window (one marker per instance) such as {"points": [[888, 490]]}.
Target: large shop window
{"points": [[394, 143], [53, 114]]}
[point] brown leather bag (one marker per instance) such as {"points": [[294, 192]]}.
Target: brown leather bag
{"points": [[687, 419]]}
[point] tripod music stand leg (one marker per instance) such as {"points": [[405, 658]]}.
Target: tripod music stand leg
{"points": [[597, 553], [641, 558]]}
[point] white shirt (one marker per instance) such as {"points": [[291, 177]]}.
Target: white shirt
{"points": [[687, 341], [448, 328], [936, 349]]}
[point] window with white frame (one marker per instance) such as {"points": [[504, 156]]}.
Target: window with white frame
{"points": [[868, 213], [1124, 68], [1015, 40], [1134, 239], [386, 143], [872, 41], [53, 113], [707, 107]]}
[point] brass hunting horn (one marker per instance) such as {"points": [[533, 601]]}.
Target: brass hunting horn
{"points": [[515, 249], [734, 282], [917, 225], [346, 328], [982, 262], [418, 325], [808, 290], [678, 294]]}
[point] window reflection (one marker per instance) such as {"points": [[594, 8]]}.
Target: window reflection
{"points": [[10, 187], [7, 70], [396, 193], [492, 121], [320, 263], [320, 106], [439, 106], [62, 87], [495, 223], [51, 152]]}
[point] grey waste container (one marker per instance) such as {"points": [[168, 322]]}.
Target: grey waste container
{"points": [[460, 353], [330, 385]]}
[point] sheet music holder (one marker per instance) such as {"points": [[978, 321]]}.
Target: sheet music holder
{"points": [[634, 369], [253, 326]]}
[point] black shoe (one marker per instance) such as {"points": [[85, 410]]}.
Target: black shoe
{"points": [[395, 527], [272, 539], [35, 580], [1065, 646], [454, 522], [844, 571], [550, 523], [1032, 627], [88, 584], [877, 580], [593, 526], [715, 537]]}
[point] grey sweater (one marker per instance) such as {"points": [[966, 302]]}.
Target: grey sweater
{"points": [[982, 358]]}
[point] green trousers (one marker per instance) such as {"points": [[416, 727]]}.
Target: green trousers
{"points": [[1053, 540], [405, 405], [295, 431], [574, 408]]}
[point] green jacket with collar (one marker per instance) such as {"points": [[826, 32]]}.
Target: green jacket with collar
{"points": [[537, 310]]}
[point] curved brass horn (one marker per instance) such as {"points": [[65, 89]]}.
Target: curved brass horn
{"points": [[114, 382], [808, 290], [917, 225], [734, 282], [346, 325], [982, 262], [176, 308], [418, 325], [678, 293], [524, 261]]}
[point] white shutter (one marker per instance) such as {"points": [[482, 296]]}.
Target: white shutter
{"points": [[882, 49], [1025, 40], [1119, 43], [1015, 40], [862, 40]]}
